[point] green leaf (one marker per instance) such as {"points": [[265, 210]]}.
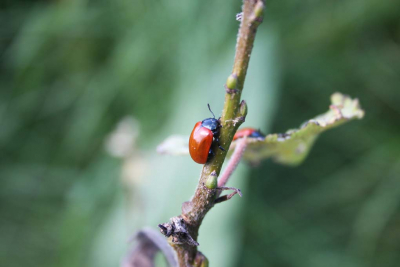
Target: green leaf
{"points": [[292, 147]]}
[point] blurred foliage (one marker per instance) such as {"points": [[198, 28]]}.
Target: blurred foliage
{"points": [[341, 207], [70, 70]]}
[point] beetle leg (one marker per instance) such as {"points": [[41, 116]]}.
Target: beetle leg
{"points": [[219, 145]]}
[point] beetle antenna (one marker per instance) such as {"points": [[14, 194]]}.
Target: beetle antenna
{"points": [[210, 110]]}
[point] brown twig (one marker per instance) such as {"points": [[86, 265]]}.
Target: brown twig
{"points": [[233, 115]]}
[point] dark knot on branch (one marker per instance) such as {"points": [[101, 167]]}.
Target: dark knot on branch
{"points": [[178, 230]]}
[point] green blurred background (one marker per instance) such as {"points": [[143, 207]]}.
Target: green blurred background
{"points": [[72, 70]]}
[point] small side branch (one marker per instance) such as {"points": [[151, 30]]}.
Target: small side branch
{"points": [[227, 197]]}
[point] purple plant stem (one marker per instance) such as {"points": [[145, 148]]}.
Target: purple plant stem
{"points": [[233, 162]]}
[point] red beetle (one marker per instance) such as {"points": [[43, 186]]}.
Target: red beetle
{"points": [[249, 132], [203, 135]]}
